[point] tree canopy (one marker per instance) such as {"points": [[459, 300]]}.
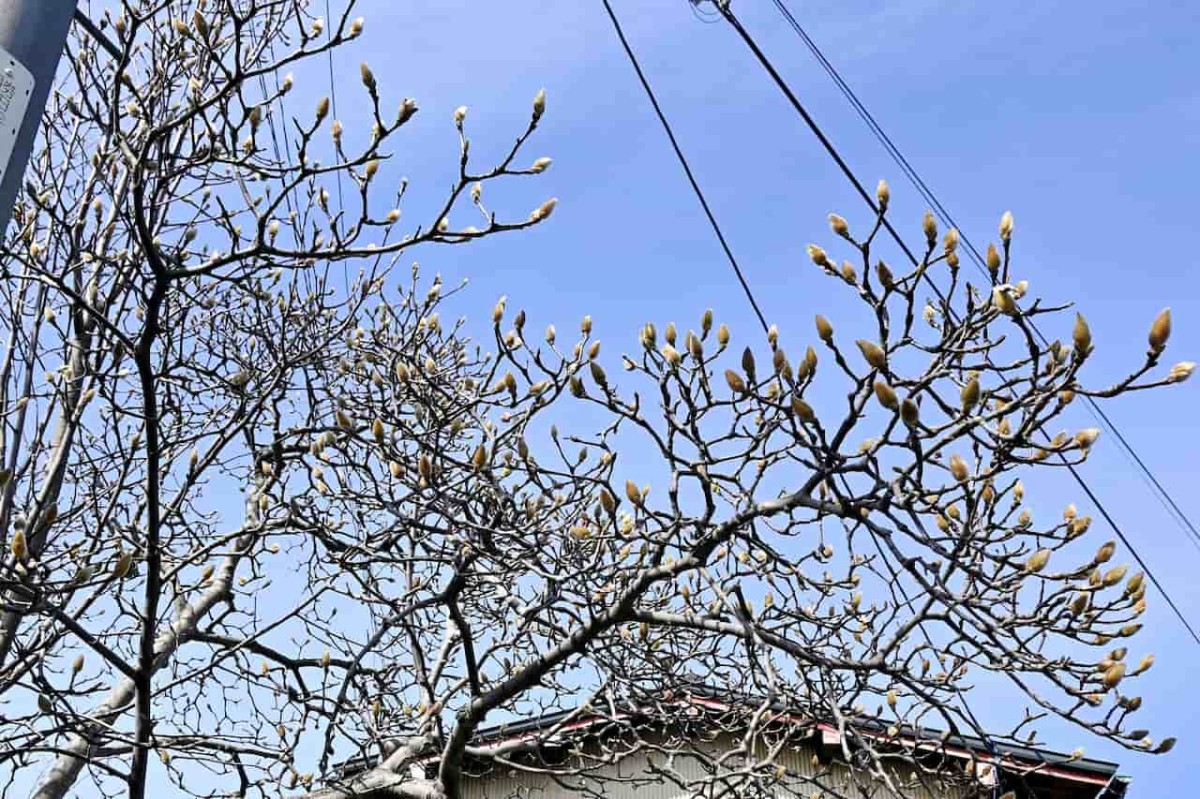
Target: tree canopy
{"points": [[268, 508]]}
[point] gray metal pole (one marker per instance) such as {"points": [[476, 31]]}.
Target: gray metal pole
{"points": [[33, 33]]}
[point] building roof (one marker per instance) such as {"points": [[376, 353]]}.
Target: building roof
{"points": [[1101, 774]]}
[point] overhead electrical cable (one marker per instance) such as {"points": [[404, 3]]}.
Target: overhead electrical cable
{"points": [[1161, 493], [765, 62]]}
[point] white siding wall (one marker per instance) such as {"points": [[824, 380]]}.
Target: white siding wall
{"points": [[520, 785]]}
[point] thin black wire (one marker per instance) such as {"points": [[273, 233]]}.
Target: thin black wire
{"points": [[1164, 497], [832, 151], [712, 220], [333, 97], [746, 287]]}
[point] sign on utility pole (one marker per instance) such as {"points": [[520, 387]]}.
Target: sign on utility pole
{"points": [[33, 34]]}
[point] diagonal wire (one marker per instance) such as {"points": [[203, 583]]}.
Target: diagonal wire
{"points": [[333, 96], [750, 295], [1164, 497], [870, 201], [712, 220]]}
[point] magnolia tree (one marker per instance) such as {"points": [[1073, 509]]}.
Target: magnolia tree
{"points": [[262, 519]]}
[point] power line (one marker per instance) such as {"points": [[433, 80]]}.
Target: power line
{"points": [[333, 99], [1164, 497], [683, 162], [970, 715], [832, 151]]}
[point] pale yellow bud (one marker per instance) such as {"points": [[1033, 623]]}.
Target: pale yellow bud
{"points": [[1003, 300], [1082, 335], [824, 329], [544, 210], [993, 259], [872, 353], [541, 165], [356, 27], [1038, 560], [539, 104], [1113, 675], [460, 114], [886, 395], [18, 545], [929, 225], [1181, 371], [1006, 226], [959, 468], [818, 255], [970, 394], [1113, 576], [839, 226], [883, 194], [1160, 331]]}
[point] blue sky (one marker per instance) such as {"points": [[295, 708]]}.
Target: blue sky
{"points": [[1084, 125]]}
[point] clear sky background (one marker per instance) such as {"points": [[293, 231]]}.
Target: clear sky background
{"points": [[1083, 119], [1083, 122]]}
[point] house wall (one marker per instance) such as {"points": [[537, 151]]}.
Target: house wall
{"points": [[798, 760]]}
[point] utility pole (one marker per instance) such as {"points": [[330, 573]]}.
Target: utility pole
{"points": [[33, 34]]}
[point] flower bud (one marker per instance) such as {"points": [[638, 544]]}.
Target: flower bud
{"points": [[460, 114], [883, 195], [872, 353], [1006, 227], [544, 210], [910, 413], [929, 225], [368, 77], [1082, 335], [735, 382], [539, 104], [1160, 331], [993, 259], [886, 395], [886, 279], [1181, 371], [950, 242], [1038, 561], [818, 255], [1113, 675], [1085, 438], [1003, 300], [970, 394], [541, 165], [824, 329], [322, 108], [18, 545], [959, 468], [839, 226], [803, 410], [1113, 576]]}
